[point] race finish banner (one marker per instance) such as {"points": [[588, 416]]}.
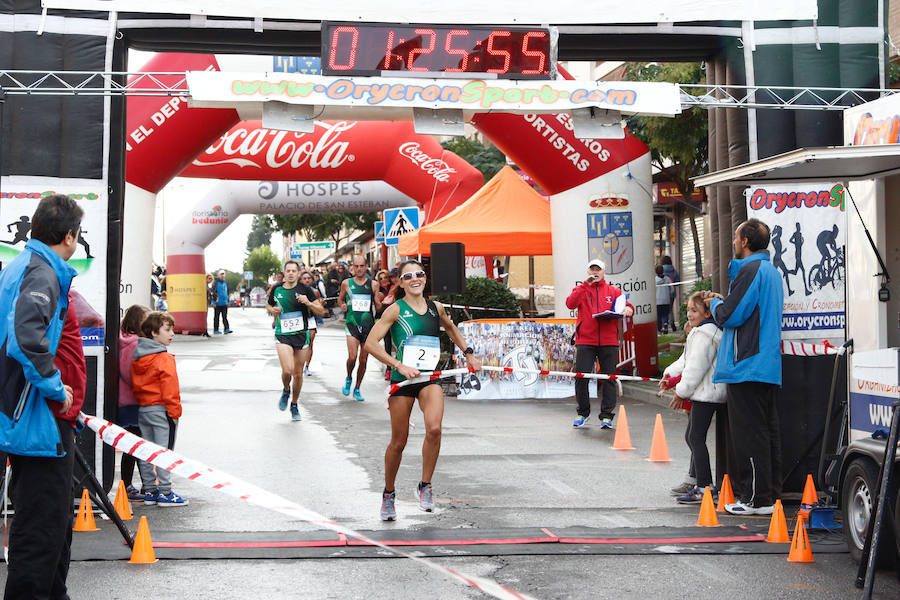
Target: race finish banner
{"points": [[226, 89], [807, 223], [531, 345]]}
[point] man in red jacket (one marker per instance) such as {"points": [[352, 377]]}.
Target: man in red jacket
{"points": [[596, 339]]}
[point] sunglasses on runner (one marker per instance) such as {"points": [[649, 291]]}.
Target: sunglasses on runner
{"points": [[408, 276]]}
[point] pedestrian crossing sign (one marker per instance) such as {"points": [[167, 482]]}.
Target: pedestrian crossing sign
{"points": [[398, 221], [379, 232]]}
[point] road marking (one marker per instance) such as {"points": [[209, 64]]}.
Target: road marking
{"points": [[192, 365]]}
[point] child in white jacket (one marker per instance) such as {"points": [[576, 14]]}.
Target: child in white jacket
{"points": [[696, 366]]}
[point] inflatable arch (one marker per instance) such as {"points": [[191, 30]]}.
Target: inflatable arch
{"points": [[165, 136]]}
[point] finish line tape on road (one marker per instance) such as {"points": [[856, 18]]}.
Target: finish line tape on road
{"points": [[173, 462]]}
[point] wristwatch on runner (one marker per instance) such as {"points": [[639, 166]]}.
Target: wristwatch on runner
{"points": [[468, 350]]}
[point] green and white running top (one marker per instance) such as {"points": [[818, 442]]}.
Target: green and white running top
{"points": [[294, 317], [409, 323], [360, 304]]}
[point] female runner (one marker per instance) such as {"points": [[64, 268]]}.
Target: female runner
{"points": [[413, 322]]}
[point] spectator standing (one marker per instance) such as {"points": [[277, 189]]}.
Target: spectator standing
{"points": [[596, 339], [221, 304], [34, 291], [129, 333], [749, 362], [663, 300], [672, 273], [163, 303], [154, 382]]}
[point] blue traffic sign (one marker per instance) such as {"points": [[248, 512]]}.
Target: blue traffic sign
{"points": [[379, 232], [398, 221]]}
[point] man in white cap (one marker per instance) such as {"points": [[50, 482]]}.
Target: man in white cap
{"points": [[596, 339]]}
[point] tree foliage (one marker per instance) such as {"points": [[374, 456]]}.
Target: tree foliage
{"points": [[260, 232], [264, 263], [328, 226], [487, 293], [487, 159]]}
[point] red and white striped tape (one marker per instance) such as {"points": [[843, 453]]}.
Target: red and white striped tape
{"points": [[800, 349], [171, 461], [476, 308]]}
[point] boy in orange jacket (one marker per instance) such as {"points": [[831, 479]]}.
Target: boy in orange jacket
{"points": [[154, 381]]}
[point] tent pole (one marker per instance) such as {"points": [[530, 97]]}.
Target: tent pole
{"points": [[531, 285]]}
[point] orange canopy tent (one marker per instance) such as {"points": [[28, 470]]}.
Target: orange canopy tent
{"points": [[506, 217]]}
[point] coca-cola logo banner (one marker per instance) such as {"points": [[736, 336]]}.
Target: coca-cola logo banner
{"points": [[649, 98]]}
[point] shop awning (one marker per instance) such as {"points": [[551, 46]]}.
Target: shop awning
{"points": [[506, 217], [837, 163]]}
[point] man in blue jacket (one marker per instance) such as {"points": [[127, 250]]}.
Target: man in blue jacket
{"points": [[749, 362], [33, 305], [221, 304]]}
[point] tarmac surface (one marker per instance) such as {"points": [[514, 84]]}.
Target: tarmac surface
{"points": [[503, 464]]}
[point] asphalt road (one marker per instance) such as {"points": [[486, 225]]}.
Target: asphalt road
{"points": [[503, 464]]}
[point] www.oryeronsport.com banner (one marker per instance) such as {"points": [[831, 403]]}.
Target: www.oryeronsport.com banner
{"points": [[808, 231]]}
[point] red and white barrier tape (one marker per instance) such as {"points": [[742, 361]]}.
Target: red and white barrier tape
{"points": [[801, 349], [476, 308], [434, 375], [175, 463]]}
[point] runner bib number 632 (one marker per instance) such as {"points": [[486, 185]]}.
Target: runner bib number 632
{"points": [[422, 352], [292, 322]]}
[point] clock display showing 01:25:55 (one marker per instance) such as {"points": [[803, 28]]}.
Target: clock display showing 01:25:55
{"points": [[372, 49]]}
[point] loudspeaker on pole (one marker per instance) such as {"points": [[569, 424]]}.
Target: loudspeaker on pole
{"points": [[448, 268]]}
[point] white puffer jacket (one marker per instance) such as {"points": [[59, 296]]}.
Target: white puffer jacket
{"points": [[696, 365]]}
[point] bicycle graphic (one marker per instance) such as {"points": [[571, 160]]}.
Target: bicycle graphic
{"points": [[828, 270]]}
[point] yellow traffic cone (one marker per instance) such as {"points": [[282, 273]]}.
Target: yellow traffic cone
{"points": [[85, 519]]}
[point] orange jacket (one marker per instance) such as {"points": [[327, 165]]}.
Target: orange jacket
{"points": [[154, 379]]}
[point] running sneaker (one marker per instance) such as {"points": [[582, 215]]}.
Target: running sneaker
{"points": [[133, 493], [388, 512], [228, 331], [741, 508], [695, 496], [579, 421], [357, 395], [283, 401], [425, 497], [347, 383], [295, 412], [171, 499], [682, 489], [217, 332], [606, 424], [306, 371], [150, 498]]}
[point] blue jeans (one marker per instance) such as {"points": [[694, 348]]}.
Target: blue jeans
{"points": [[156, 427]]}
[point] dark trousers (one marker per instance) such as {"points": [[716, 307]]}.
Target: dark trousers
{"points": [[695, 435], [663, 312], [220, 310], [756, 439], [41, 531], [126, 466], [585, 359]]}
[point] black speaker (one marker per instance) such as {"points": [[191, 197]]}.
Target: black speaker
{"points": [[448, 268]]}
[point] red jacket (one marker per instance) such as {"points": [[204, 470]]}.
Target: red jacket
{"points": [[69, 360], [590, 299]]}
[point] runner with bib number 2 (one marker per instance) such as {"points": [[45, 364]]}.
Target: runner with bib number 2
{"points": [[414, 323]]}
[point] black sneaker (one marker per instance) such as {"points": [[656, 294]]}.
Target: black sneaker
{"points": [[695, 496], [682, 489]]}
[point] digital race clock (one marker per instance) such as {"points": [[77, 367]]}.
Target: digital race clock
{"points": [[438, 50]]}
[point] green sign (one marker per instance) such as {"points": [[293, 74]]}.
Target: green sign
{"points": [[312, 246]]}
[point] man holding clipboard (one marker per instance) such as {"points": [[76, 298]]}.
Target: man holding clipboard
{"points": [[600, 306]]}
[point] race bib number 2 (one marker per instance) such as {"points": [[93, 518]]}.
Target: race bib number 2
{"points": [[361, 302], [292, 322], [422, 352]]}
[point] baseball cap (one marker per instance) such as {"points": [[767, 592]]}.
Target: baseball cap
{"points": [[597, 263], [222, 272]]}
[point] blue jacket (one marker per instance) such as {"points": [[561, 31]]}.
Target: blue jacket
{"points": [[34, 291], [221, 293], [751, 318]]}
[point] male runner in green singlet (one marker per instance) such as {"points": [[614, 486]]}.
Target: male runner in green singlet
{"points": [[358, 300], [291, 303]]}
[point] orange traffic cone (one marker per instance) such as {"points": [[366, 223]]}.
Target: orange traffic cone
{"points": [[622, 440], [726, 494], [659, 451], [800, 550], [85, 520], [810, 496], [142, 552], [707, 516], [778, 532], [121, 504]]}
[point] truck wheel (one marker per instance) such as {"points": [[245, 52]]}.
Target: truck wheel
{"points": [[858, 493]]}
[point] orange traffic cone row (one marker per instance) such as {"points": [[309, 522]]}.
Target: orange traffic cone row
{"points": [[659, 450], [810, 496], [778, 532], [622, 440], [726, 494], [121, 504], [800, 550], [85, 519], [707, 516], [142, 552]]}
